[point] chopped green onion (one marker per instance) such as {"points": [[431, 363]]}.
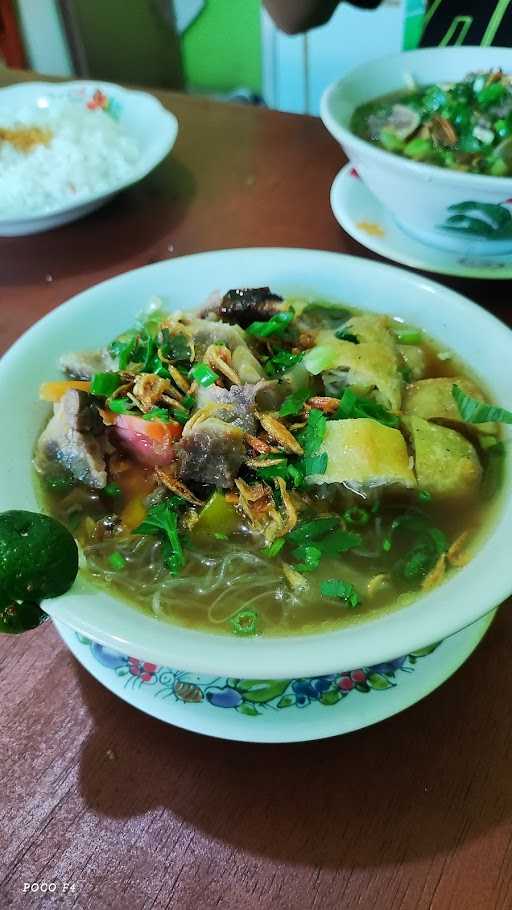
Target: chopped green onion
{"points": [[386, 544], [424, 496], [188, 402], [112, 489], [116, 560], [409, 336], [274, 548], [120, 405], [203, 375], [105, 384], [160, 414], [245, 622], [335, 587], [277, 325], [294, 403], [473, 411], [356, 516]]}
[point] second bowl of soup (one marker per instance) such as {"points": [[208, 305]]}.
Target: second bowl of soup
{"points": [[434, 142]]}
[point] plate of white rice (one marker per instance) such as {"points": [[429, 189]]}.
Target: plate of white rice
{"points": [[65, 149]]}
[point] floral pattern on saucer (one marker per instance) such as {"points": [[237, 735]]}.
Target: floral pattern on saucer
{"points": [[252, 696]]}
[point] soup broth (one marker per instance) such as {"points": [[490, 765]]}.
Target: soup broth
{"points": [[273, 467]]}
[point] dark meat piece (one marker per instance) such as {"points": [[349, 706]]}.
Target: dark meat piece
{"points": [[84, 364], [211, 452], [240, 401], [242, 306], [74, 439]]}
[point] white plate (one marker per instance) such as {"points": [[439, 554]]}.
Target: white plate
{"points": [[140, 114], [362, 216], [269, 711], [99, 314]]}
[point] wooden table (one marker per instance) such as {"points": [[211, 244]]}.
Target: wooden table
{"points": [[413, 813]]}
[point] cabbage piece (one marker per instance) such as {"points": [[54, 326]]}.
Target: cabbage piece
{"points": [[362, 454], [432, 399], [447, 465], [246, 365]]}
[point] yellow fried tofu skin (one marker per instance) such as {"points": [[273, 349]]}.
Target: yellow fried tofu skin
{"points": [[371, 328], [370, 366], [414, 359], [363, 454], [447, 465], [432, 399]]}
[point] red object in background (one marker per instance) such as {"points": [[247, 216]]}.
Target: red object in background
{"points": [[11, 44]]}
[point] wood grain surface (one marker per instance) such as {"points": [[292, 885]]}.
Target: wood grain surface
{"points": [[413, 813]]}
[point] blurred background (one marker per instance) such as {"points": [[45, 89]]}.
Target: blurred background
{"points": [[223, 48]]}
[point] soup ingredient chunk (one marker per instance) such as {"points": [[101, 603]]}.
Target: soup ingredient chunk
{"points": [[73, 440], [447, 465], [367, 366], [432, 399], [211, 452], [364, 454]]}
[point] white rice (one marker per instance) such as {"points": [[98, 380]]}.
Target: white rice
{"points": [[89, 154]]}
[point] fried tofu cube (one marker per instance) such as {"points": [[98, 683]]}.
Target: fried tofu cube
{"points": [[364, 454], [432, 399], [446, 463]]}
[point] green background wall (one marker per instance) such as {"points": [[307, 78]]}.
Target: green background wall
{"points": [[221, 50]]}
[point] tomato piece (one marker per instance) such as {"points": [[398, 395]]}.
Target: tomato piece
{"points": [[150, 442]]}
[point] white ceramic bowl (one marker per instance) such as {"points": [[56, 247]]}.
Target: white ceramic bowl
{"points": [[421, 197], [100, 313], [141, 115]]}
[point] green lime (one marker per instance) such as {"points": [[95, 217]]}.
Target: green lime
{"points": [[38, 557], [15, 618]]}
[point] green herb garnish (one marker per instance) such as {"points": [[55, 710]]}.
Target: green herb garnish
{"points": [[339, 542], [281, 362], [356, 516], [160, 414], [105, 384], [336, 588], [176, 347], [314, 529], [294, 403], [308, 556], [121, 405], [162, 519], [312, 436], [409, 336], [352, 405]]}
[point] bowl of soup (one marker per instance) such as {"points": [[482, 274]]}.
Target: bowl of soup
{"points": [[429, 132], [276, 463]]}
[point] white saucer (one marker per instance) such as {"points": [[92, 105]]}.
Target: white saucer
{"points": [[362, 216], [276, 710]]}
